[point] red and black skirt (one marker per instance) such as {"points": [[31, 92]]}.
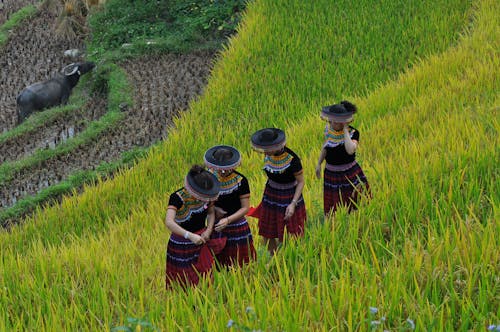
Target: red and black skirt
{"points": [[239, 246], [343, 185], [188, 262], [275, 200]]}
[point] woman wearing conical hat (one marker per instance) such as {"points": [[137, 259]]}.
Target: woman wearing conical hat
{"points": [[344, 180], [231, 206], [282, 207], [190, 219]]}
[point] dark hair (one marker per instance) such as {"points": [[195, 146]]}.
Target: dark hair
{"points": [[201, 177], [349, 106], [222, 154]]}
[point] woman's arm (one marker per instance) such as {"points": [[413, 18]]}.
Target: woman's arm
{"points": [[177, 229], [349, 144], [290, 209], [322, 156], [245, 206], [210, 222]]}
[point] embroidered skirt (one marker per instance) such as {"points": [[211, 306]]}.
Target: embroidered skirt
{"points": [[343, 185], [239, 244], [187, 262], [275, 200]]}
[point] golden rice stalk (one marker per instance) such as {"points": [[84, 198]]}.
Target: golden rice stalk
{"points": [[71, 21], [65, 28]]}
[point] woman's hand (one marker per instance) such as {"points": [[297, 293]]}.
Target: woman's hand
{"points": [[197, 239], [221, 224], [290, 210], [206, 235], [318, 171]]}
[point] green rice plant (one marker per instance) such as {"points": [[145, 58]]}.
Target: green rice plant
{"points": [[422, 253]]}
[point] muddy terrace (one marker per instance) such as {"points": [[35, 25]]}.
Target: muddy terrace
{"points": [[163, 86]]}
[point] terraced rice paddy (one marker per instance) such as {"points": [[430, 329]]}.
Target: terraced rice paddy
{"points": [[422, 254], [163, 86]]}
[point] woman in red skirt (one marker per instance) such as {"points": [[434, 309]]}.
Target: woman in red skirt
{"points": [[231, 206], [190, 218], [344, 179], [282, 204]]}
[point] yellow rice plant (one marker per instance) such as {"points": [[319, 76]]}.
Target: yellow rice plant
{"points": [[72, 18], [422, 254]]}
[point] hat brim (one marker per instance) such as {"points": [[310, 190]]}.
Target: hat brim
{"points": [[340, 118], [336, 113], [200, 193], [268, 146], [229, 164]]}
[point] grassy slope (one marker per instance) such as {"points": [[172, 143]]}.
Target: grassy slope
{"points": [[437, 220], [240, 94]]}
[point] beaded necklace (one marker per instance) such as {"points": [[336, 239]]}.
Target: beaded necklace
{"points": [[278, 164], [334, 137], [190, 205], [228, 184]]}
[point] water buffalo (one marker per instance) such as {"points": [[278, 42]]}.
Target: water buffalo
{"points": [[52, 92]]}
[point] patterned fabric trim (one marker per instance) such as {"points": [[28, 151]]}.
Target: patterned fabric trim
{"points": [[278, 164], [191, 205], [229, 183], [194, 258], [282, 205], [334, 138], [340, 168], [277, 185]]}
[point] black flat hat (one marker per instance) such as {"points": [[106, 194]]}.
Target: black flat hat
{"points": [[337, 113], [222, 157], [203, 186], [268, 140]]}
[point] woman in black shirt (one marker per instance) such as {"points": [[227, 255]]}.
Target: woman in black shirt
{"points": [[282, 203], [343, 178], [231, 206], [189, 208]]}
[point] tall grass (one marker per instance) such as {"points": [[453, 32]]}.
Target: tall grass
{"points": [[423, 251], [241, 94]]}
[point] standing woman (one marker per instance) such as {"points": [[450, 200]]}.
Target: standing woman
{"points": [[189, 208], [282, 203], [343, 178], [231, 206]]}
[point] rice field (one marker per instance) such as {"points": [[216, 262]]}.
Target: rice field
{"points": [[422, 254]]}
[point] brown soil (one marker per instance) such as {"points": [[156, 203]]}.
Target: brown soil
{"points": [[54, 132], [32, 54], [163, 86], [7, 7]]}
